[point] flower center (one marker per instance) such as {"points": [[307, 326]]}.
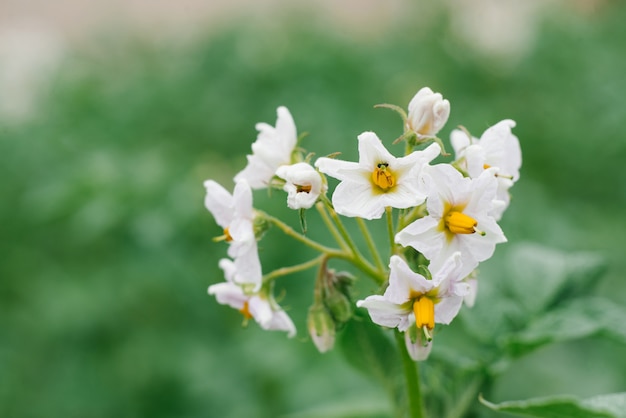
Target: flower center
{"points": [[306, 188], [424, 310], [459, 223], [383, 177], [227, 235], [245, 311]]}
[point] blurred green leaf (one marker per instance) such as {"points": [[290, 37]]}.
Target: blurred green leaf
{"points": [[604, 406], [580, 318], [541, 277], [367, 348]]}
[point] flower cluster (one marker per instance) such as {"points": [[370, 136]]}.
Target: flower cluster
{"points": [[442, 221]]}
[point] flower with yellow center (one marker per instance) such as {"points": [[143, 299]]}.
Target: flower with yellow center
{"points": [[378, 180], [259, 306], [235, 214], [414, 304], [459, 218]]}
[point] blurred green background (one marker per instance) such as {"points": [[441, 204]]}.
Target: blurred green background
{"points": [[106, 249]]}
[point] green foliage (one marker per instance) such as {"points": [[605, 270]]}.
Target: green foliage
{"points": [[604, 406], [106, 249]]}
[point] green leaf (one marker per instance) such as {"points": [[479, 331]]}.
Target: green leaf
{"points": [[352, 408], [578, 319], [563, 406], [542, 277], [369, 349]]}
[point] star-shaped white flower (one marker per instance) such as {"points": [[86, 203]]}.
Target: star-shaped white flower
{"points": [[272, 148], [235, 214], [459, 219], [378, 180], [412, 301], [428, 113], [497, 147], [259, 306], [303, 185]]}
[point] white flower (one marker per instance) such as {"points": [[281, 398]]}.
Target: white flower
{"points": [[257, 305], [497, 147], [458, 219], [303, 185], [428, 112], [378, 180], [413, 304], [272, 148], [235, 214]]}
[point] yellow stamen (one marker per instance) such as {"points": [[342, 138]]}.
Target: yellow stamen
{"points": [[227, 235], [424, 310], [460, 223], [303, 188], [245, 311], [383, 177], [486, 166]]}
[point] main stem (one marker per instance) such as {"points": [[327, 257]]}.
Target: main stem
{"points": [[411, 376]]}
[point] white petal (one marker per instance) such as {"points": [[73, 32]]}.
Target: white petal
{"points": [[403, 282], [219, 202], [242, 200], [343, 170], [228, 294], [417, 350], [447, 309], [423, 235], [372, 151], [383, 312], [282, 322], [352, 199]]}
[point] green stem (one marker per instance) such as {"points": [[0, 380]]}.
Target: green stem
{"points": [[293, 269], [411, 376], [390, 231], [342, 229], [370, 244], [292, 233], [331, 227]]}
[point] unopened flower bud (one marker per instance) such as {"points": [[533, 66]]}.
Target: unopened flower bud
{"points": [[321, 327], [260, 226], [338, 304], [428, 112]]}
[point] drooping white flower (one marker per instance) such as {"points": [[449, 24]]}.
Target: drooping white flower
{"points": [[303, 184], [272, 148], [497, 147], [459, 219], [378, 180], [428, 113], [235, 214], [413, 304], [259, 306]]}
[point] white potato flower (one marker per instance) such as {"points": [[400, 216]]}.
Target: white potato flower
{"points": [[235, 214], [413, 304], [259, 306], [459, 219], [272, 148], [378, 180], [303, 184]]}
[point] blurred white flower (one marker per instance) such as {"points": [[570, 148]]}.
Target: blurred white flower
{"points": [[428, 113], [378, 180], [235, 214], [497, 147], [259, 306], [459, 219], [272, 148], [303, 185], [321, 327], [412, 300]]}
